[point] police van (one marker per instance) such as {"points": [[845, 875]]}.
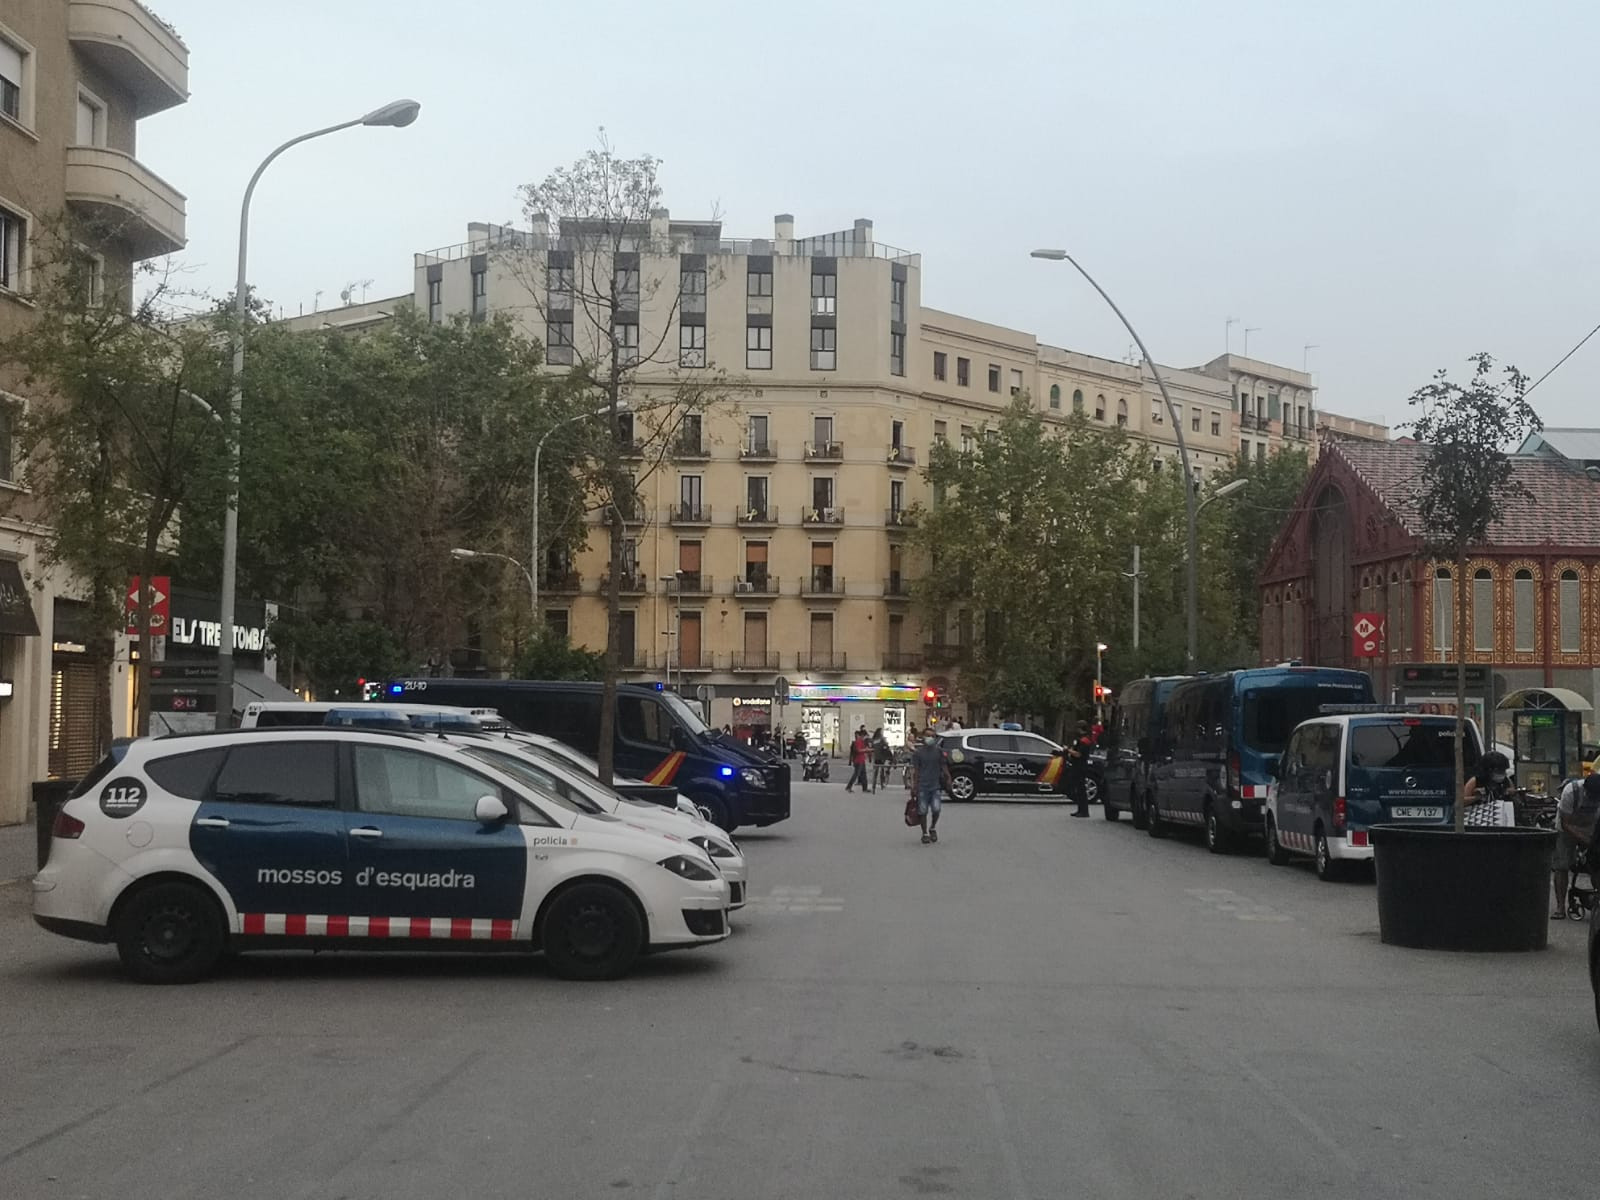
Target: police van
{"points": [[180, 849], [1129, 741], [1341, 774]]}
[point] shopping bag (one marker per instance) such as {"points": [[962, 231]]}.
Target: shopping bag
{"points": [[912, 816]]}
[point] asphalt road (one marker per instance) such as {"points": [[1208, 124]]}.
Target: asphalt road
{"points": [[1035, 1007]]}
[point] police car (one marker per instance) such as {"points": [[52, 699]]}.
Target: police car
{"points": [[1003, 761], [180, 849]]}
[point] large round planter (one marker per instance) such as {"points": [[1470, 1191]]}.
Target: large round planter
{"points": [[1483, 889]]}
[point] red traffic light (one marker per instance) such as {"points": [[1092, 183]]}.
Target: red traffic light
{"points": [[930, 696]]}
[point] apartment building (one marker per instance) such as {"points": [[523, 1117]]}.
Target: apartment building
{"points": [[76, 77], [773, 542]]}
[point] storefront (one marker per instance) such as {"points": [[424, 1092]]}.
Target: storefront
{"points": [[18, 630], [183, 682], [831, 713], [752, 714]]}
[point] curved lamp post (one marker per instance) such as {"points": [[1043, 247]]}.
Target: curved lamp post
{"points": [[538, 453], [396, 114], [462, 554]]}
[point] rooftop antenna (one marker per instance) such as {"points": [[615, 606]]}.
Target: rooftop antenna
{"points": [[1305, 357], [1227, 334], [1248, 330], [316, 302]]}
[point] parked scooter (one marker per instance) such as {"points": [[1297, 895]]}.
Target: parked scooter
{"points": [[816, 766]]}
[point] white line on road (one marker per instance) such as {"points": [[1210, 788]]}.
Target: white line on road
{"points": [[997, 1115]]}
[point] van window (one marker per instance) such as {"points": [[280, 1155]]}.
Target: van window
{"points": [[1270, 714], [641, 720], [187, 775], [268, 718], [1407, 745], [303, 773], [571, 716]]}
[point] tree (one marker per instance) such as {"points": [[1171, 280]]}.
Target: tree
{"points": [[1467, 482], [595, 266], [549, 655], [125, 435]]}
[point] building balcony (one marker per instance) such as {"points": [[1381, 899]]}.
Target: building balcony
{"points": [[825, 451], [633, 513], [689, 514], [630, 448], [133, 46], [758, 587], [822, 585], [688, 583], [765, 662], [824, 516], [897, 588], [901, 456], [821, 660], [758, 516], [633, 584], [766, 451], [118, 188], [942, 654], [899, 518], [903, 661], [690, 447], [561, 582], [696, 665]]}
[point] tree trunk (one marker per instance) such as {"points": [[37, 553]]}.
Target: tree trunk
{"points": [[1461, 689], [141, 677], [608, 685]]}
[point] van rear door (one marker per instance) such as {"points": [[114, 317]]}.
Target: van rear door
{"points": [[1401, 769]]}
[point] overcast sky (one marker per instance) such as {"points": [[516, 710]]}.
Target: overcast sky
{"points": [[1400, 183]]}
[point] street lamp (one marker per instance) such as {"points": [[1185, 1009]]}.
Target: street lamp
{"points": [[538, 452], [674, 583], [1191, 511], [396, 114], [1227, 489], [1099, 649], [462, 554]]}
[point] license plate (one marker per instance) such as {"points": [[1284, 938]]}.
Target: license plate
{"points": [[1412, 812]]}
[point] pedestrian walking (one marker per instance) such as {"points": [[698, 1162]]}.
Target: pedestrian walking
{"points": [[882, 756], [1577, 811], [929, 776], [1075, 769], [859, 750]]}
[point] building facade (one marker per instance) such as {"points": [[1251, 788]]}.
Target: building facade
{"points": [[76, 77]]}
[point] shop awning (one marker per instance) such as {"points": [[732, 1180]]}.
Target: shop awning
{"points": [[1552, 697], [16, 611], [250, 686]]}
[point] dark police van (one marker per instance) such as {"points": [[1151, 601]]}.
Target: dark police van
{"points": [[1129, 740], [659, 738], [1220, 736]]}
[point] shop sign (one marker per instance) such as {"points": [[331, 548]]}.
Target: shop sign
{"points": [[762, 702], [847, 693]]}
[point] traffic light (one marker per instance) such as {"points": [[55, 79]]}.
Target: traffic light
{"points": [[930, 696], [1101, 693]]}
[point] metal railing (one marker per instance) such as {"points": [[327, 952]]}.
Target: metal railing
{"points": [[685, 447], [942, 654], [822, 583], [899, 518], [689, 514], [825, 451], [748, 661], [686, 583], [814, 660], [759, 450], [839, 245], [561, 581], [897, 587], [902, 660], [824, 516], [759, 585], [902, 456], [758, 516], [633, 583]]}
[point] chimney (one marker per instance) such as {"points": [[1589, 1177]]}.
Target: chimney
{"points": [[863, 235], [539, 229], [660, 226], [783, 227]]}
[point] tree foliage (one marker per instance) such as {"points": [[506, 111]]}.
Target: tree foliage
{"points": [[549, 655]]}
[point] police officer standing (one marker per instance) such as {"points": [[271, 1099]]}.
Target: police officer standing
{"points": [[1075, 769]]}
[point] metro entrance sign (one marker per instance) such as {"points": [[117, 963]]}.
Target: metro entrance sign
{"points": [[1367, 635]]}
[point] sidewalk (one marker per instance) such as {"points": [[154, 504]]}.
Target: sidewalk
{"points": [[18, 852]]}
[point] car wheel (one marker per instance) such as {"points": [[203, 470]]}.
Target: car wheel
{"points": [[1327, 866], [1276, 854], [1091, 790], [1218, 840], [170, 933], [591, 931], [1136, 811], [715, 810], [963, 786], [1109, 808], [1152, 818]]}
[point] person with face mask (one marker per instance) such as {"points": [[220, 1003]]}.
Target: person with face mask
{"points": [[1577, 813], [929, 775], [1490, 780]]}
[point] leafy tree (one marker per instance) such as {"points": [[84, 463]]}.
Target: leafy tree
{"points": [[333, 652], [1468, 481], [549, 655]]}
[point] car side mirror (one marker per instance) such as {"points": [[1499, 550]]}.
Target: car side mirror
{"points": [[490, 810]]}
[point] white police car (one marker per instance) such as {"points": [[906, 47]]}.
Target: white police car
{"points": [[178, 849]]}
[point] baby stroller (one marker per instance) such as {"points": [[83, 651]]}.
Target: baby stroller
{"points": [[1581, 898], [816, 766]]}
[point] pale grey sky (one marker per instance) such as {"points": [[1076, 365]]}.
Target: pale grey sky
{"points": [[1401, 183]]}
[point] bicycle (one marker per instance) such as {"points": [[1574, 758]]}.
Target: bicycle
{"points": [[880, 775]]}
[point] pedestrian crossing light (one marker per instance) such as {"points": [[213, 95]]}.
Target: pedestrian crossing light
{"points": [[1101, 693]]}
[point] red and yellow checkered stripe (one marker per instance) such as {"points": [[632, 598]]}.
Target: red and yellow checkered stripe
{"points": [[1051, 772], [666, 770]]}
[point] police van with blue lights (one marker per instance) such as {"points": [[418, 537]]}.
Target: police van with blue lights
{"points": [[181, 849], [658, 737]]}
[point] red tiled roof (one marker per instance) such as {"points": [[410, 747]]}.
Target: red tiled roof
{"points": [[1564, 508]]}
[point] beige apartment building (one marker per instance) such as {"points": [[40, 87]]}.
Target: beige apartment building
{"points": [[76, 77], [773, 543]]}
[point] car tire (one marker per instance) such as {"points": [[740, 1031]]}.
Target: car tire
{"points": [[1153, 824], [1091, 790], [1109, 808], [1136, 812], [963, 786], [1328, 868], [170, 933], [715, 809], [1276, 854], [1218, 839], [591, 931]]}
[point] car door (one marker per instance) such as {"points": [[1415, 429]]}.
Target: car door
{"points": [[1000, 768], [1322, 776], [271, 832], [419, 853], [1288, 803], [1041, 759], [644, 741]]}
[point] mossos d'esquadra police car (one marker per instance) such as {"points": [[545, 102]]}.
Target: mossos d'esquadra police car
{"points": [[180, 849]]}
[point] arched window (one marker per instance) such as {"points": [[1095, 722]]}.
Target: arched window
{"points": [[1482, 609], [1394, 610], [1444, 613], [1409, 640], [1077, 403], [1055, 395], [1522, 605], [1122, 412], [1099, 407], [1570, 638]]}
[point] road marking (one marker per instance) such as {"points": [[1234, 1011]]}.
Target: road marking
{"points": [[796, 899], [1241, 908], [709, 1104], [997, 1117]]}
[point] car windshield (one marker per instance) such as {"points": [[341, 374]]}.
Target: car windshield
{"points": [[1407, 745], [564, 752], [686, 715], [543, 782], [1271, 714]]}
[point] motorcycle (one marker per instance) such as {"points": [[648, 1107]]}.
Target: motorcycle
{"points": [[816, 767]]}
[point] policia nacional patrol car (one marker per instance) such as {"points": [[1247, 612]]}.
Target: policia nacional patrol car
{"points": [[1001, 761], [180, 849]]}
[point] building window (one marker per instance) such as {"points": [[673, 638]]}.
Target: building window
{"points": [[1158, 414], [1099, 405], [7, 459], [1194, 421], [897, 300], [435, 301], [897, 496], [480, 294], [559, 288], [1569, 635], [559, 622], [994, 377], [691, 345], [969, 442], [1444, 613], [939, 365], [824, 295], [13, 68], [941, 432], [963, 372], [1016, 382], [822, 492], [1261, 452], [1482, 610], [1055, 395], [756, 442], [692, 292], [1522, 606], [1216, 424], [823, 346], [91, 129], [758, 346], [1244, 449], [625, 337], [558, 343], [1122, 411], [625, 285], [758, 283], [897, 354]]}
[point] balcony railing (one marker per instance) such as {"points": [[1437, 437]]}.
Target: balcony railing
{"points": [[897, 588], [148, 212], [134, 47], [821, 660], [759, 661], [899, 518], [701, 662], [630, 448], [902, 456], [633, 513], [825, 451], [750, 515], [759, 451], [824, 516], [561, 581], [686, 583], [942, 654], [822, 583], [690, 447], [633, 583], [759, 585], [689, 514], [902, 660]]}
